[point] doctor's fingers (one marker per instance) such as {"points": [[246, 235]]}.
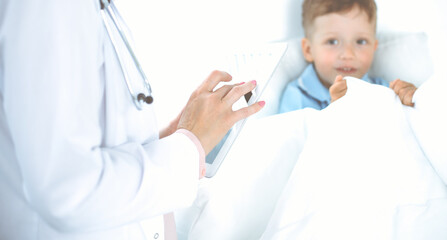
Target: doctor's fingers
{"points": [[215, 78], [172, 127], [224, 90], [247, 111], [238, 91]]}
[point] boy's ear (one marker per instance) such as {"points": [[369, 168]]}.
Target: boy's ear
{"points": [[305, 46], [376, 44]]}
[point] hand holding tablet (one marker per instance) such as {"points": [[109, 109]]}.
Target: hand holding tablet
{"points": [[258, 63]]}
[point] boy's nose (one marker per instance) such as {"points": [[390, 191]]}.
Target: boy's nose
{"points": [[347, 52]]}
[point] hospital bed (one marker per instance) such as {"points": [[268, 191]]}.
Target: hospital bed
{"points": [[249, 189]]}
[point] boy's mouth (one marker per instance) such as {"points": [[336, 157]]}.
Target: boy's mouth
{"points": [[346, 70]]}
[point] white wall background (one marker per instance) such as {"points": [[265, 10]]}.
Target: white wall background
{"points": [[178, 41]]}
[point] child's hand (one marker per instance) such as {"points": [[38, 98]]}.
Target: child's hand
{"points": [[338, 88], [404, 90]]}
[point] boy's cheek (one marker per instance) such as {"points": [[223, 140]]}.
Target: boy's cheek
{"points": [[367, 58]]}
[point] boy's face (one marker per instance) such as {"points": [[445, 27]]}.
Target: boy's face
{"points": [[341, 44]]}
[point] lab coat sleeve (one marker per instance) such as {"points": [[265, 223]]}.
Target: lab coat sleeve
{"points": [[53, 100]]}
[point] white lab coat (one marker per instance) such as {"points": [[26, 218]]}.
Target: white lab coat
{"points": [[77, 159]]}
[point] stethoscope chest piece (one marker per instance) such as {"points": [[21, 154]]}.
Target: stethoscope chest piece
{"points": [[113, 22]]}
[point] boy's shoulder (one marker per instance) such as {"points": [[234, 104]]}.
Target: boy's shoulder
{"points": [[305, 91], [305, 84], [292, 97]]}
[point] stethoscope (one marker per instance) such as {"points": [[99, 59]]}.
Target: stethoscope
{"points": [[109, 14]]}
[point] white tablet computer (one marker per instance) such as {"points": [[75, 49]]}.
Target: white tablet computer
{"points": [[253, 63]]}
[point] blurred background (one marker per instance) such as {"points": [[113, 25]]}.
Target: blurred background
{"points": [[180, 42]]}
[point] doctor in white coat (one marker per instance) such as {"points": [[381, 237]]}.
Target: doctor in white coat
{"points": [[78, 160]]}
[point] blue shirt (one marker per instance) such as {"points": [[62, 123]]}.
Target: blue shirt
{"points": [[308, 91]]}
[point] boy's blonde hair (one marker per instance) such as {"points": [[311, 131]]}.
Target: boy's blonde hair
{"points": [[315, 8]]}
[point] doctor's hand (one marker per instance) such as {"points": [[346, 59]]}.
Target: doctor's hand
{"points": [[338, 88], [208, 113], [171, 128], [404, 90]]}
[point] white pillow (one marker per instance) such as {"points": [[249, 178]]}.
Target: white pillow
{"points": [[403, 55]]}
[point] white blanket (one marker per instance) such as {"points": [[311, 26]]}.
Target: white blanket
{"points": [[364, 168], [363, 175]]}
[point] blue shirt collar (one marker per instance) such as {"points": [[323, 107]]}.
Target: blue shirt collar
{"points": [[309, 83]]}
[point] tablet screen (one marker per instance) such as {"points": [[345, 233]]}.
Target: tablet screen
{"points": [[213, 154], [258, 63]]}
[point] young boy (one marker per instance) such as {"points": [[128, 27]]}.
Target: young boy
{"points": [[340, 39]]}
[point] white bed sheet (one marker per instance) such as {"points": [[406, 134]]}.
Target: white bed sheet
{"points": [[363, 174], [238, 201], [360, 169]]}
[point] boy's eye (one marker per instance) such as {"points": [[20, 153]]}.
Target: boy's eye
{"points": [[332, 41], [362, 42]]}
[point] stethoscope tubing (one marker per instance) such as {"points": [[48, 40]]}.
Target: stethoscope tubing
{"points": [[110, 11]]}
